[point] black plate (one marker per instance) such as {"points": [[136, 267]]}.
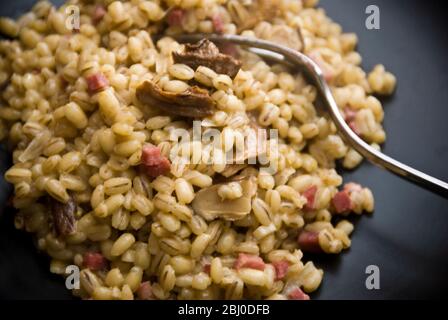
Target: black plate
{"points": [[406, 236]]}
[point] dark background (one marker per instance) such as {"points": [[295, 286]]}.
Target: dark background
{"points": [[407, 236]]}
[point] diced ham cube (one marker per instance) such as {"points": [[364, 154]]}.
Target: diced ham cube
{"points": [[297, 294], [94, 261], [98, 13], [281, 269], [352, 125], [349, 114], [206, 268], [163, 167], [175, 17], [310, 195], [144, 292], [342, 202], [249, 261], [154, 164], [151, 155], [218, 24], [97, 82], [206, 264], [309, 242]]}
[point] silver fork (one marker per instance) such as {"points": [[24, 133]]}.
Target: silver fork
{"points": [[284, 54]]}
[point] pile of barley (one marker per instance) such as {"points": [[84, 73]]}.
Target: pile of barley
{"points": [[76, 130]]}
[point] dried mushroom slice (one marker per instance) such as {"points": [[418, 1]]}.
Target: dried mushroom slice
{"points": [[195, 102], [285, 35], [63, 216], [247, 16], [281, 34], [210, 206], [206, 53]]}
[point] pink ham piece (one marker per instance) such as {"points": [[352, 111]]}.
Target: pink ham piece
{"points": [[310, 195], [218, 24], [153, 162], [309, 242], [281, 269], [151, 155], [94, 261], [349, 116], [341, 202], [206, 264], [206, 268], [98, 13], [352, 125], [97, 82], [249, 261], [163, 167], [144, 292], [175, 17], [297, 294]]}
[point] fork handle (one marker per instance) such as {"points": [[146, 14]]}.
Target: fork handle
{"points": [[373, 155], [380, 159]]}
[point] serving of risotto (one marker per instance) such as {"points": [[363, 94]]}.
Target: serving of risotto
{"points": [[183, 171]]}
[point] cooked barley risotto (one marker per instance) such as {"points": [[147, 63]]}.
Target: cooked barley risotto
{"points": [[91, 106]]}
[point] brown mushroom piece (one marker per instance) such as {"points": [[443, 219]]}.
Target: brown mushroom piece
{"points": [[206, 53], [210, 206], [247, 16], [63, 215], [195, 102]]}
